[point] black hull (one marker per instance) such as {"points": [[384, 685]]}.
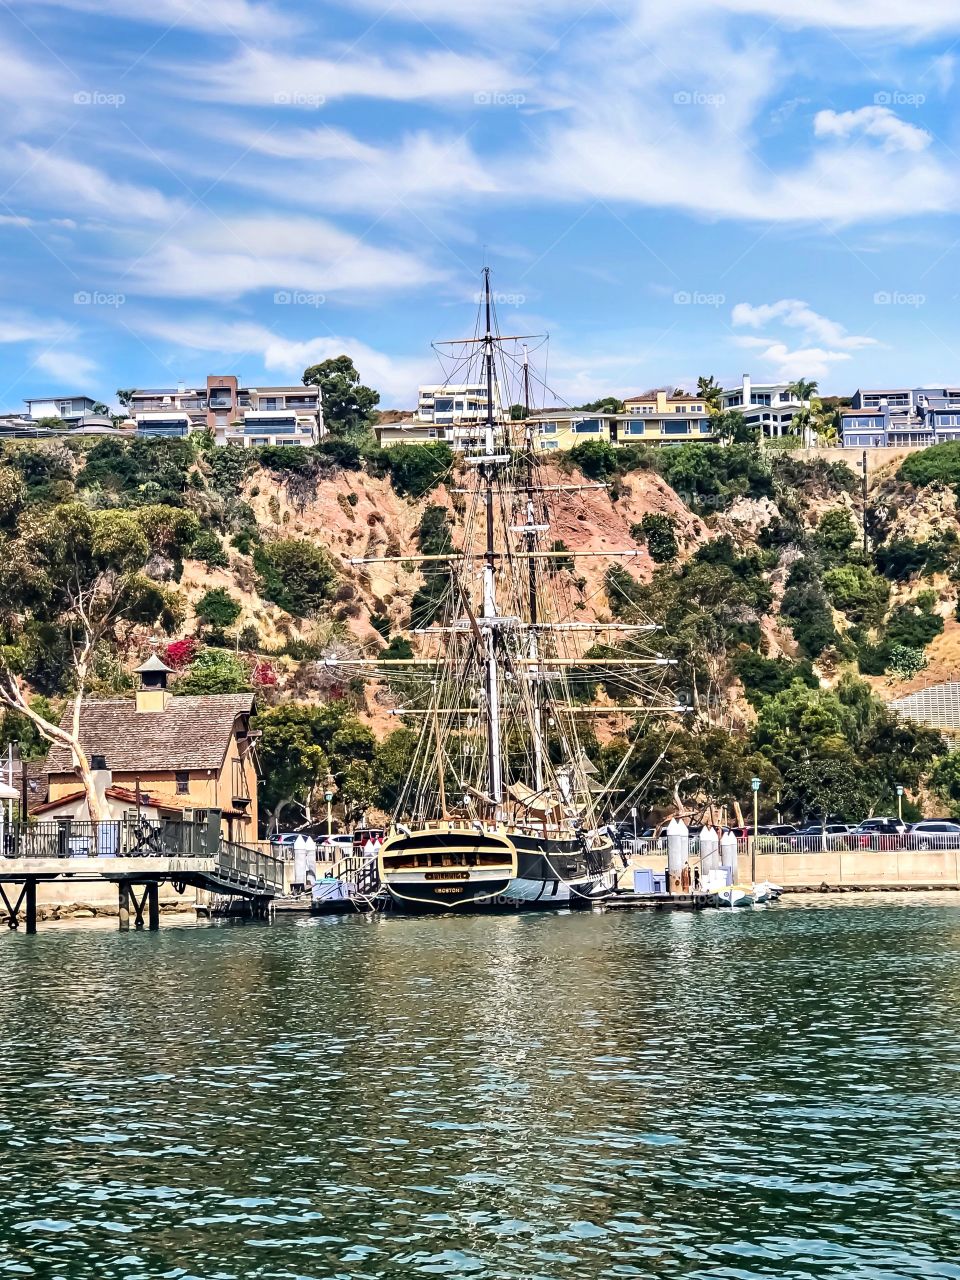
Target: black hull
{"points": [[441, 870]]}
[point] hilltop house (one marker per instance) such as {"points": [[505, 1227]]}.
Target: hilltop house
{"points": [[161, 753]]}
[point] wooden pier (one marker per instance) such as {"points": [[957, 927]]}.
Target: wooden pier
{"points": [[656, 902], [138, 858]]}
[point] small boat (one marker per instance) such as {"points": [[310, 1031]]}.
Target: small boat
{"points": [[734, 895]]}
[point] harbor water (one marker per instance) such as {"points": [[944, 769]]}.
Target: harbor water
{"points": [[773, 1092]]}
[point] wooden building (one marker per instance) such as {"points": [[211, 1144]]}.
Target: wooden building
{"points": [[163, 751]]}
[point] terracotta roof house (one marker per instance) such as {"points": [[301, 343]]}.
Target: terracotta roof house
{"points": [[179, 753]]}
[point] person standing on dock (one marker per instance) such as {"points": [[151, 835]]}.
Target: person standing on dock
{"points": [[685, 878]]}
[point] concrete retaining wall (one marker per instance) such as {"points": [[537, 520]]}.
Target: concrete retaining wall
{"points": [[844, 869]]}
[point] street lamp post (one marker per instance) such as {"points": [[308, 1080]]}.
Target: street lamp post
{"points": [[899, 804], [633, 815], [328, 796], [755, 784]]}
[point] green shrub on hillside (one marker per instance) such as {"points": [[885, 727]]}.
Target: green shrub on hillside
{"points": [[806, 608], [914, 625], [214, 671], [941, 462], [295, 574], [208, 549], [416, 469], [766, 677], [141, 471], [858, 592], [659, 532]]}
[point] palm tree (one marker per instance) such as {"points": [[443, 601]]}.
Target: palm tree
{"points": [[711, 391], [803, 389]]}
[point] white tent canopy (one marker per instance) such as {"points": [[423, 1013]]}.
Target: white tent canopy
{"points": [[8, 793]]}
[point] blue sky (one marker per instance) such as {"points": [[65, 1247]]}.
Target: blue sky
{"points": [[667, 187]]}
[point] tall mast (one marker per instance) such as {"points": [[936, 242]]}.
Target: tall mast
{"points": [[534, 646], [489, 580]]}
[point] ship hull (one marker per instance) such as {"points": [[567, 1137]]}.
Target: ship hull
{"points": [[464, 870]]}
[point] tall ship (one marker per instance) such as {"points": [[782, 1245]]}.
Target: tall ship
{"points": [[502, 805]]}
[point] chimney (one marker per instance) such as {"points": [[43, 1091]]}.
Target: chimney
{"points": [[747, 389], [102, 779], [153, 696]]}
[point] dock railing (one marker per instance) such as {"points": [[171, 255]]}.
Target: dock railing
{"points": [[133, 837]]}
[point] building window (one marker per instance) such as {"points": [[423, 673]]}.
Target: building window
{"points": [[183, 782]]}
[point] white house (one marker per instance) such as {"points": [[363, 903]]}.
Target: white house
{"points": [[767, 405]]}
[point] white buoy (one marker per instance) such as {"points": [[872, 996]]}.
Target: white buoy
{"points": [[728, 854], [709, 850], [678, 853], [300, 860]]}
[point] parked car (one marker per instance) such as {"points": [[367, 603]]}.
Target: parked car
{"points": [[285, 839], [880, 833], [830, 835], [772, 836], [934, 833]]}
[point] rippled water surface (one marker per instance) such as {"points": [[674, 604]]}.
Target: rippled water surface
{"points": [[769, 1093]]}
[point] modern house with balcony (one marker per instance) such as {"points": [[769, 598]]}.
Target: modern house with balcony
{"points": [[72, 411], [444, 404], [771, 406], [902, 418], [656, 418], [245, 416]]}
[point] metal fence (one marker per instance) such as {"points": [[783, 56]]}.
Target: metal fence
{"points": [[824, 842], [852, 842], [131, 837]]}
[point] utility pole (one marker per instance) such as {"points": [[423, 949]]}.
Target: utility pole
{"points": [[866, 538]]}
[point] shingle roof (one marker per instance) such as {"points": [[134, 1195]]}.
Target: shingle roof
{"points": [[193, 733]]}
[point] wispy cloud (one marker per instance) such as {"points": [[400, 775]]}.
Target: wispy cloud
{"points": [[264, 77], [221, 16], [397, 377], [214, 257], [872, 122], [829, 342]]}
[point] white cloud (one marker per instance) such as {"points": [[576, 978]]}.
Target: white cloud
{"points": [[419, 169], [67, 367], [395, 377], [25, 328], [50, 178], [786, 364], [225, 17], [230, 257], [279, 79], [830, 344], [795, 314], [872, 122], [917, 18]]}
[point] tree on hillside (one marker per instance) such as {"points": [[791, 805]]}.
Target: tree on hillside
{"points": [[217, 609], [609, 404], [78, 574], [348, 406], [803, 389], [732, 427], [712, 393]]}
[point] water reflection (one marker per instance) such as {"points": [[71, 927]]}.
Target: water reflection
{"points": [[723, 1095]]}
